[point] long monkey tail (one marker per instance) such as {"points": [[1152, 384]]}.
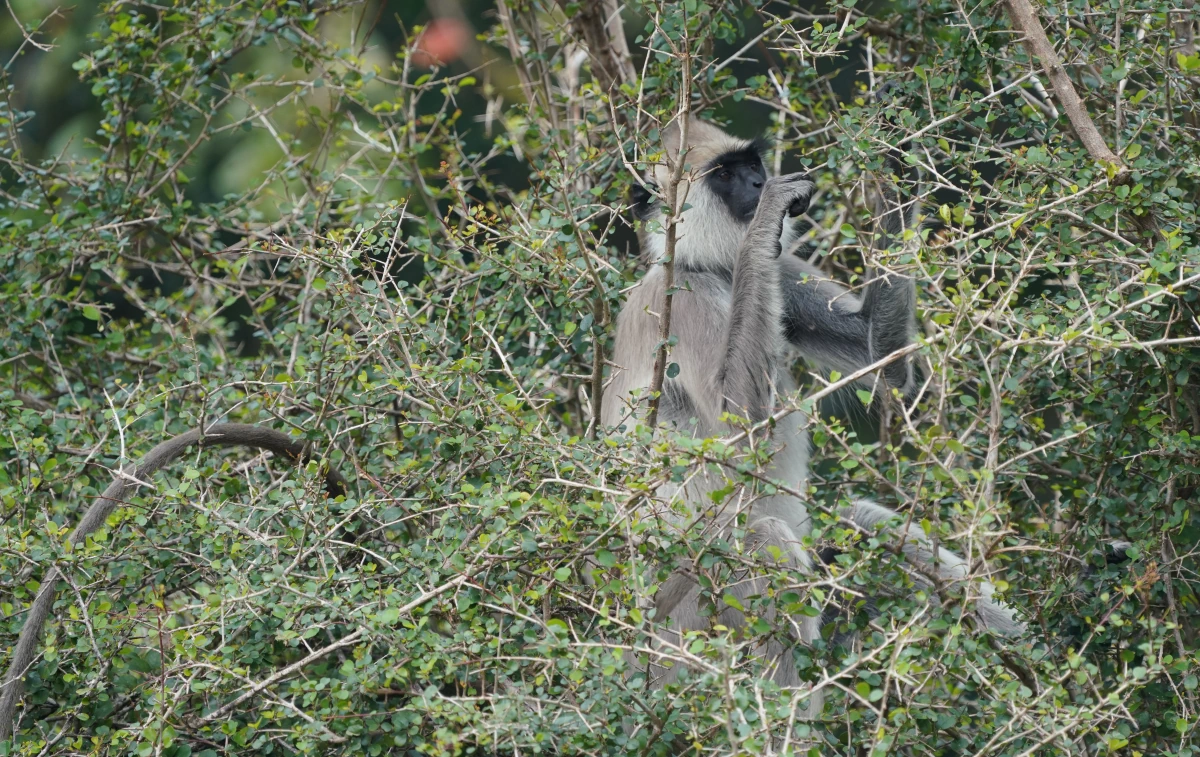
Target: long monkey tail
{"points": [[948, 566], [217, 435]]}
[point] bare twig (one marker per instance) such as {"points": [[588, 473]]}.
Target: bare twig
{"points": [[675, 201]]}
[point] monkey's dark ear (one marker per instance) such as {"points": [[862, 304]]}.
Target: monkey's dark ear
{"points": [[887, 91], [828, 555], [1117, 552], [639, 194], [642, 200]]}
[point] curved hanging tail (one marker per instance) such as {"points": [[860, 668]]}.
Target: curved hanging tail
{"points": [[948, 566]]}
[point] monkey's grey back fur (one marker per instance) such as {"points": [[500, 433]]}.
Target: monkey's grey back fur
{"points": [[217, 435], [741, 312]]}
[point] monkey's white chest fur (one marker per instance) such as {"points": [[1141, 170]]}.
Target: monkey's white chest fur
{"points": [[691, 401]]}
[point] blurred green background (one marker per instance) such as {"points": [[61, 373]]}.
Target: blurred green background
{"points": [[66, 112]]}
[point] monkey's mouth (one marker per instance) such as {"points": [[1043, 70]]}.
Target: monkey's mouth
{"points": [[746, 210]]}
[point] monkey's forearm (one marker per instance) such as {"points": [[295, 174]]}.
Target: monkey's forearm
{"points": [[890, 305], [753, 343], [218, 435], [890, 300], [822, 320], [751, 349], [839, 331]]}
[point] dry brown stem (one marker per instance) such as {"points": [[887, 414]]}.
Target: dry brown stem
{"points": [[1024, 18]]}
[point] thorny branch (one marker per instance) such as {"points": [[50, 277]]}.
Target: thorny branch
{"points": [[674, 201], [1025, 20]]}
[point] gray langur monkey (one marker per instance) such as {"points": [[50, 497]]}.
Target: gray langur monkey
{"points": [[741, 310], [216, 435]]}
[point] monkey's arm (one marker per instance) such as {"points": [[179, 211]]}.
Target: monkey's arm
{"points": [[840, 331], [217, 435], [751, 349]]}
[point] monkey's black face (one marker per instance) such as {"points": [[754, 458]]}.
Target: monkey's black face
{"points": [[737, 178]]}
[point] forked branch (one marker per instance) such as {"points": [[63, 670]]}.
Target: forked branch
{"points": [[1025, 20]]}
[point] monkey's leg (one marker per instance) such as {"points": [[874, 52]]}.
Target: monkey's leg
{"points": [[217, 435], [765, 536], [679, 597]]}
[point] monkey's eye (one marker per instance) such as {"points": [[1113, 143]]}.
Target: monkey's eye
{"points": [[725, 174]]}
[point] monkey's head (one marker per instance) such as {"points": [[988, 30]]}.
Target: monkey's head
{"points": [[722, 182]]}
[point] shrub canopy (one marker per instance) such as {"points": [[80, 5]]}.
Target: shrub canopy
{"points": [[278, 212]]}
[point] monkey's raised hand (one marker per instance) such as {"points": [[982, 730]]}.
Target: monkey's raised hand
{"points": [[785, 195]]}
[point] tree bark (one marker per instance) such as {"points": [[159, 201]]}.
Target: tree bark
{"points": [[599, 24], [1025, 20]]}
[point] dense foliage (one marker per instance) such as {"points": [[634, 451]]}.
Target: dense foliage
{"points": [[274, 211]]}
